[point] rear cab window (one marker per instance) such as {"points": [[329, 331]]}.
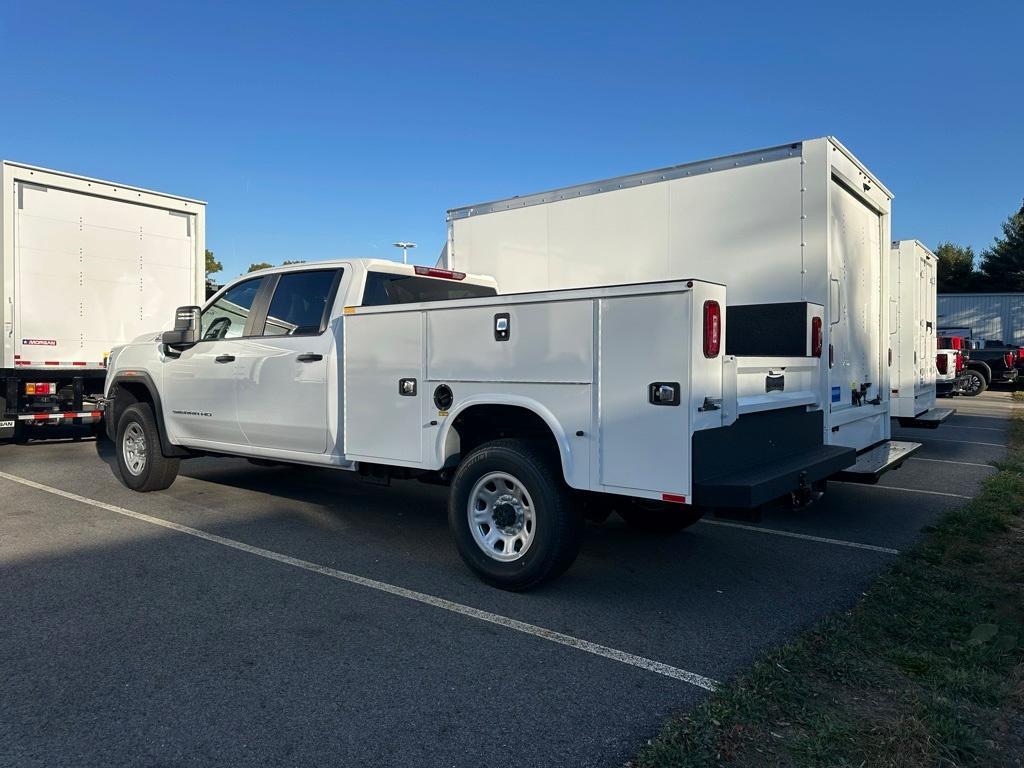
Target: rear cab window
{"points": [[301, 303], [385, 288]]}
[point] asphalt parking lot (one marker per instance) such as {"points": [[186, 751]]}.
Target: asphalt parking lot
{"points": [[280, 616]]}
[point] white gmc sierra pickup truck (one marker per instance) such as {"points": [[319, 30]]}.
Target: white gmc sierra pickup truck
{"points": [[538, 409]]}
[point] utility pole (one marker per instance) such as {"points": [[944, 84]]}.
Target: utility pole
{"points": [[405, 250]]}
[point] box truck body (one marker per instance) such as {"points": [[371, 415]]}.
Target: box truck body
{"points": [[790, 226], [86, 264], [912, 332]]}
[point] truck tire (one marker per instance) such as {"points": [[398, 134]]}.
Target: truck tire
{"points": [[656, 517], [973, 383], [141, 464], [512, 516]]}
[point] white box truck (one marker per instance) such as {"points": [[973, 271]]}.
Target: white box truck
{"points": [[784, 228], [912, 331], [535, 408], [84, 265]]}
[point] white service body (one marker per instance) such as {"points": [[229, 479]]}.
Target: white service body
{"points": [[912, 329], [803, 222]]}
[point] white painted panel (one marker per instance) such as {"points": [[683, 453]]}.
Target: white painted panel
{"points": [[855, 248], [644, 446], [510, 246], [550, 341], [380, 349], [614, 238], [741, 227], [93, 272]]}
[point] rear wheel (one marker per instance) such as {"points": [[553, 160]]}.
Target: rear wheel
{"points": [[656, 517], [511, 515], [973, 383], [141, 464]]}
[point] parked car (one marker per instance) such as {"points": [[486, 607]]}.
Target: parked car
{"points": [[532, 407]]}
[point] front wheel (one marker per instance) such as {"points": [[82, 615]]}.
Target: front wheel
{"points": [[512, 516], [973, 383], [141, 464]]}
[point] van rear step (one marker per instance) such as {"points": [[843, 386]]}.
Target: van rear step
{"points": [[875, 462], [928, 420], [762, 483]]}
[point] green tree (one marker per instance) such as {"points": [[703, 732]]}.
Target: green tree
{"points": [[212, 265], [259, 265], [1002, 265], [296, 261], [955, 268]]}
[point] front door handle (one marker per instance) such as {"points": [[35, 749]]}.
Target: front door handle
{"points": [[309, 357], [224, 358]]}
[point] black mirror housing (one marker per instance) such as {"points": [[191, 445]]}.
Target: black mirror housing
{"points": [[186, 328]]}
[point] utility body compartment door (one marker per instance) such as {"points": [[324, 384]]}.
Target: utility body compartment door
{"points": [[645, 340], [383, 422]]}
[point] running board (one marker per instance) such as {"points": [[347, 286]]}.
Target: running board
{"points": [[875, 462], [927, 420]]}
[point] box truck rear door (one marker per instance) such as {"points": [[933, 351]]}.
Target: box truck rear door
{"points": [[855, 268]]}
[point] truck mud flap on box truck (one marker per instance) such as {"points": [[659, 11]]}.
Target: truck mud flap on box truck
{"points": [[763, 456]]}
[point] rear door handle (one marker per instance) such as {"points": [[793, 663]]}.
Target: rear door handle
{"points": [[225, 358], [309, 357]]}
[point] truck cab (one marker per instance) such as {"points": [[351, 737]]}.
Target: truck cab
{"points": [[536, 408]]}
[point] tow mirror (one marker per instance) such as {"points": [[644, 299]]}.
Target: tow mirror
{"points": [[186, 328]]}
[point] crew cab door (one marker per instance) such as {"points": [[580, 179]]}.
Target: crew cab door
{"points": [[288, 364], [198, 391]]}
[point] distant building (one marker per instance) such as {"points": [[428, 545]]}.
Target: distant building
{"points": [[988, 315]]}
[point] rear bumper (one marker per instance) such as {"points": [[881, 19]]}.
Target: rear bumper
{"points": [[930, 419], [758, 485], [879, 459]]}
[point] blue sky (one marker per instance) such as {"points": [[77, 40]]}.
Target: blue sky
{"points": [[332, 129]]}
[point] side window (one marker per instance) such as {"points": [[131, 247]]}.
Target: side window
{"points": [[301, 302], [225, 318]]}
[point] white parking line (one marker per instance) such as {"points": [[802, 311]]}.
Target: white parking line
{"points": [[959, 463], [804, 536], [420, 597], [905, 490], [987, 429], [965, 442]]}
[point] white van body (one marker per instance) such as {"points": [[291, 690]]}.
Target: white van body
{"points": [[912, 332], [86, 265], [798, 224]]}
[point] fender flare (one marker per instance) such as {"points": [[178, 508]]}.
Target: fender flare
{"points": [[167, 448], [519, 401]]}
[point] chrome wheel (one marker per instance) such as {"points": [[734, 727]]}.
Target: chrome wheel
{"points": [[133, 448], [501, 516]]}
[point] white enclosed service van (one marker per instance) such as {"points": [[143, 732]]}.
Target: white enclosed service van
{"points": [[537, 408], [785, 228], [912, 331], [86, 265]]}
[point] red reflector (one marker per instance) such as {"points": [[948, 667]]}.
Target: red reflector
{"points": [[674, 498], [816, 336], [942, 363], [435, 272], [712, 329]]}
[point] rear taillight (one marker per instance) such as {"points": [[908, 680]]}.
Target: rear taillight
{"points": [[435, 272], [816, 336], [1008, 359], [47, 388], [712, 329], [960, 363], [942, 363]]}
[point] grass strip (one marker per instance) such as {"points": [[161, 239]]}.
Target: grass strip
{"points": [[927, 669]]}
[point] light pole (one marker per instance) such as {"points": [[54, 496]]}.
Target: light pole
{"points": [[405, 250]]}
